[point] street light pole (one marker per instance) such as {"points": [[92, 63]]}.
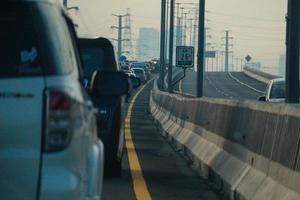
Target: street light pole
{"points": [[162, 43], [171, 47], [200, 60], [292, 52]]}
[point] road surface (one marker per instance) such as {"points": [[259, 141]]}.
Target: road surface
{"points": [[160, 171], [234, 85]]}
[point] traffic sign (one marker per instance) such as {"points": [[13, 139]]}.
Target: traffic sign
{"points": [[185, 56], [248, 58], [210, 54]]}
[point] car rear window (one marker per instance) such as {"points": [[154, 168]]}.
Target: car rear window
{"points": [[20, 55], [93, 59], [138, 71], [278, 90]]}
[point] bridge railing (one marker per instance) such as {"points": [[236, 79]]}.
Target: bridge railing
{"points": [[259, 75], [250, 150]]}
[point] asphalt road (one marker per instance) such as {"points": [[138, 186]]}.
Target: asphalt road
{"points": [[158, 172], [234, 85]]}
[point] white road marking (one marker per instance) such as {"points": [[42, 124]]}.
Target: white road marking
{"points": [[244, 84]]}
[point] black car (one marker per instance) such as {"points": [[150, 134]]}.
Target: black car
{"points": [[108, 95]]}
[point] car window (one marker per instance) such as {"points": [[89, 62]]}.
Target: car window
{"points": [[20, 54], [278, 90], [138, 71], [61, 58], [93, 59], [125, 67]]}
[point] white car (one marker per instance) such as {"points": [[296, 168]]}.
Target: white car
{"points": [[275, 91], [48, 134]]}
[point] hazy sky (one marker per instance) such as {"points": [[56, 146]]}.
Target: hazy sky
{"points": [[258, 26]]}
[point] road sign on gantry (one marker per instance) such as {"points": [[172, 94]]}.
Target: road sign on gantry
{"points": [[185, 56]]}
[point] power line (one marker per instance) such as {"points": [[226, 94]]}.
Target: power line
{"points": [[243, 17]]}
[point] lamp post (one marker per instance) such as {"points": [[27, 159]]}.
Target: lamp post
{"points": [[200, 60]]}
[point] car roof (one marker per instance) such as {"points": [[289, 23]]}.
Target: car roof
{"points": [[137, 68], [95, 41]]}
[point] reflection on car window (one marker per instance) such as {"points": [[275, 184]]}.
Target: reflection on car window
{"points": [[93, 59], [278, 90], [18, 49]]}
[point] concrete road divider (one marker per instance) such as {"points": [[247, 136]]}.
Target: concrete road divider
{"points": [[250, 150], [258, 75]]}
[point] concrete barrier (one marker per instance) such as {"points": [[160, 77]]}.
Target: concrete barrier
{"points": [[258, 75], [250, 150]]}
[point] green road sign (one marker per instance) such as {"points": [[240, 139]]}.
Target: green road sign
{"points": [[185, 56]]}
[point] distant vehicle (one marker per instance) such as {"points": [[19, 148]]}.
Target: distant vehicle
{"points": [[125, 67], [130, 73], [144, 66], [108, 95], [140, 73], [275, 91], [97, 54], [49, 146]]}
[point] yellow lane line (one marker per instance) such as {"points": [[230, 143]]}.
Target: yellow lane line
{"points": [[180, 86], [139, 183]]}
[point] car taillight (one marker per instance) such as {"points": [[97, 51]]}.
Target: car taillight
{"points": [[58, 132]]}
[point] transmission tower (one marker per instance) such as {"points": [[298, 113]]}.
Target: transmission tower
{"points": [[120, 29], [127, 44], [227, 45]]}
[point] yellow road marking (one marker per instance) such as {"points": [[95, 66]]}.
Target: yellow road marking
{"points": [[180, 86], [139, 183]]}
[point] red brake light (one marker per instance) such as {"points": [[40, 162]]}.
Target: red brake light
{"points": [[59, 121], [59, 101]]}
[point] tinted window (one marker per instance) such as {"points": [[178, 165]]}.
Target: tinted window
{"points": [[20, 54], [93, 59], [138, 71], [125, 67], [56, 37]]}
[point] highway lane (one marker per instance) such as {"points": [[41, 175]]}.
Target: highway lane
{"points": [[159, 170], [235, 85]]}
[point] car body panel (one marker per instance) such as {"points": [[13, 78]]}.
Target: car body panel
{"points": [[21, 113]]}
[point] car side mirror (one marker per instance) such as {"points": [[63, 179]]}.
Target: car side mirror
{"points": [[136, 82], [262, 98], [109, 83]]}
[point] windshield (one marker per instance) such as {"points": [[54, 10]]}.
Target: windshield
{"points": [[20, 55], [93, 59]]}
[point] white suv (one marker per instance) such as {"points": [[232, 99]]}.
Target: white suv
{"points": [[48, 134]]}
